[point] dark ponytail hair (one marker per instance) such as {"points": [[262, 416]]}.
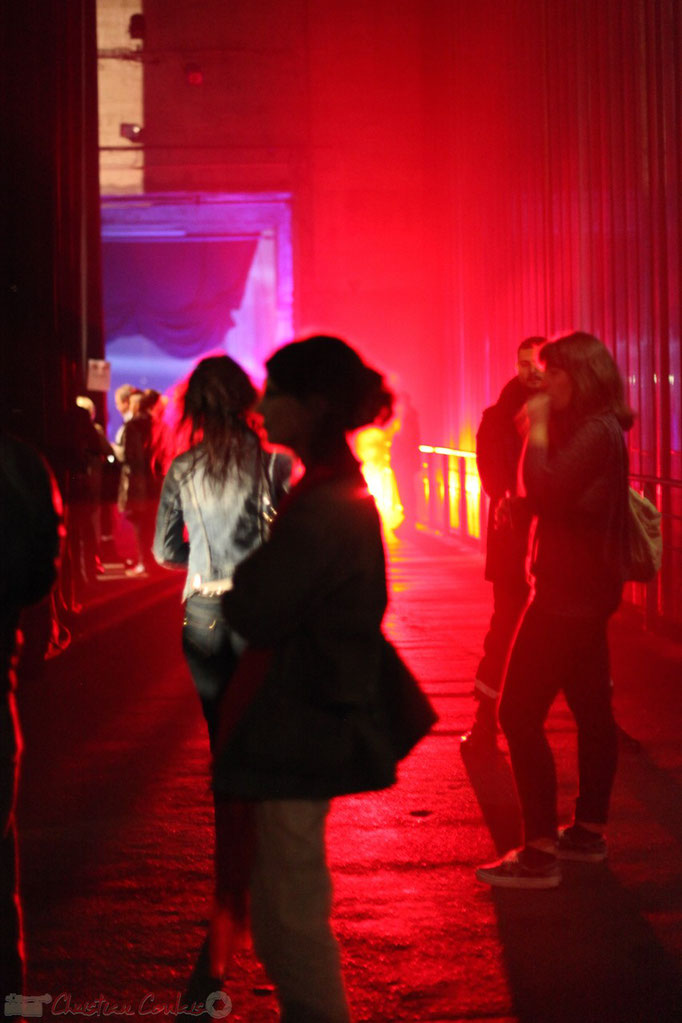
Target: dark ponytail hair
{"points": [[597, 383], [217, 401], [355, 394]]}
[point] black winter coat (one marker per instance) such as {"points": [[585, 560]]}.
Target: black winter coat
{"points": [[579, 491], [315, 595], [498, 451]]}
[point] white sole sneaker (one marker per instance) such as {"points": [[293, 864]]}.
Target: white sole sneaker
{"points": [[511, 872]]}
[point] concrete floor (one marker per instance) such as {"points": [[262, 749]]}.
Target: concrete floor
{"points": [[116, 846]]}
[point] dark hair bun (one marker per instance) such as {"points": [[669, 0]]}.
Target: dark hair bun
{"points": [[328, 366]]}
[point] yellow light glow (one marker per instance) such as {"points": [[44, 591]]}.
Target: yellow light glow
{"points": [[473, 498], [453, 480], [472, 487], [373, 448]]}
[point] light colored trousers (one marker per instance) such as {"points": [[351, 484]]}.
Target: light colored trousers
{"points": [[291, 898]]}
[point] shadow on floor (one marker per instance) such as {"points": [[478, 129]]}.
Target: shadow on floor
{"points": [[493, 784], [584, 952]]}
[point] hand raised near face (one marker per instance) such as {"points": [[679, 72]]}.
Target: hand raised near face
{"points": [[537, 409]]}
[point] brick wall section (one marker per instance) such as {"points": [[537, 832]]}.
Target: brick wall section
{"points": [[120, 98]]}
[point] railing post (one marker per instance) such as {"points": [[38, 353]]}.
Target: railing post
{"points": [[445, 462], [433, 493], [463, 500]]}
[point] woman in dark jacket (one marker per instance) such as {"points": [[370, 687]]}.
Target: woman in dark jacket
{"points": [[575, 471], [310, 603]]}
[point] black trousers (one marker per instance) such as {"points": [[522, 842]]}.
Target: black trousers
{"points": [[554, 653], [510, 597], [143, 521]]}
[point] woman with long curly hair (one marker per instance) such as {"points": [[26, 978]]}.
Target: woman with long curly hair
{"points": [[214, 508]]}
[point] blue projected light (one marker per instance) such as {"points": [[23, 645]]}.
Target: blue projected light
{"points": [[188, 276]]}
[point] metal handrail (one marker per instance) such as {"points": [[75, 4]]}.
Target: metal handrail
{"points": [[448, 506], [656, 481], [427, 450]]}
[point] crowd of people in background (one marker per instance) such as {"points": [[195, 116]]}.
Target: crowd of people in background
{"points": [[109, 492], [112, 488], [284, 595]]}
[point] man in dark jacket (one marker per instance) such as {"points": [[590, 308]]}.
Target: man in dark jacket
{"points": [[140, 484], [499, 442]]}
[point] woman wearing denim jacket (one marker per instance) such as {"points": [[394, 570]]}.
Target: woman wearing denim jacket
{"points": [[215, 502], [215, 506]]}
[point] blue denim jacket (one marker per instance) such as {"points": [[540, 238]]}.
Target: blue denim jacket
{"points": [[209, 527]]}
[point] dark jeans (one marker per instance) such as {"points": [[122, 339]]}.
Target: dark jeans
{"points": [[553, 653], [143, 521], [212, 651], [510, 598]]}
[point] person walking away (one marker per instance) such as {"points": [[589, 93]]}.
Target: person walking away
{"points": [[217, 502]]}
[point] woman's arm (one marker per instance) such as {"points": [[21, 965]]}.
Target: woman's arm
{"points": [[556, 481], [170, 549]]}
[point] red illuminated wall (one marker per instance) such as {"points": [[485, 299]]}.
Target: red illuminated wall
{"points": [[563, 156], [564, 184], [326, 101], [463, 175]]}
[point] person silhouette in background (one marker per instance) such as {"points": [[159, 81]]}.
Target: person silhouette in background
{"points": [[98, 461], [406, 460], [499, 442], [140, 483], [122, 396], [30, 534]]}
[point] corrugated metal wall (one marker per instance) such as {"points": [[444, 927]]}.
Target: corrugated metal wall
{"points": [[565, 141]]}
